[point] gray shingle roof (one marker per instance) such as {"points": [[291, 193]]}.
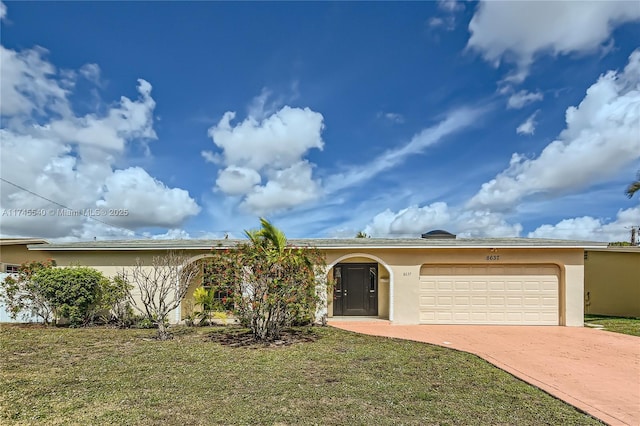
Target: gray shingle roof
{"points": [[323, 244]]}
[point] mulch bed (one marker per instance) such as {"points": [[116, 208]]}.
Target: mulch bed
{"points": [[244, 338]]}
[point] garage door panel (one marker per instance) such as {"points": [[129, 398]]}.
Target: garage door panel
{"points": [[462, 285], [497, 300], [427, 285], [444, 317], [514, 301], [492, 294], [479, 285], [444, 300], [514, 286], [496, 285], [479, 300], [427, 301], [462, 316], [444, 285]]}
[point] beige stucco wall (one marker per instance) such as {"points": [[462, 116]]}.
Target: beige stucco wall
{"points": [[612, 283], [18, 254], [398, 272], [111, 263], [404, 269]]}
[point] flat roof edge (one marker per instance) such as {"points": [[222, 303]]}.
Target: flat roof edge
{"points": [[46, 247]]}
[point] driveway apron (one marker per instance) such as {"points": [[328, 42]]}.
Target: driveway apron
{"points": [[594, 370]]}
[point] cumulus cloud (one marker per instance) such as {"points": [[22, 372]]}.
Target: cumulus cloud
{"points": [[152, 203], [270, 148], [277, 141], [28, 85], [414, 220], [517, 31], [70, 160], [528, 127], [601, 137], [237, 180], [591, 228], [3, 11], [285, 188], [522, 98]]}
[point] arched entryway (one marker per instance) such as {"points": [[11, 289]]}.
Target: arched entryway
{"points": [[363, 286]]}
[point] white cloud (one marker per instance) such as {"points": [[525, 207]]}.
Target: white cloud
{"points": [[592, 229], [411, 221], [455, 121], [601, 137], [393, 117], [237, 180], [450, 5], [517, 31], [3, 11], [528, 127], [211, 157], [130, 120], [448, 20], [268, 147], [275, 142], [91, 72], [147, 201], [27, 84], [71, 159], [522, 98], [414, 220], [285, 188]]}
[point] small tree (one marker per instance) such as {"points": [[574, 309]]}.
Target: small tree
{"points": [[21, 294], [161, 285], [274, 285]]}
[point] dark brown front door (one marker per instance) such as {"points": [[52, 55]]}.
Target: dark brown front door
{"points": [[356, 289]]}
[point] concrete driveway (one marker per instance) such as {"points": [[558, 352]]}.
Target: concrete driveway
{"points": [[594, 370]]}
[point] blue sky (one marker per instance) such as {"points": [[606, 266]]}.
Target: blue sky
{"points": [[196, 118]]}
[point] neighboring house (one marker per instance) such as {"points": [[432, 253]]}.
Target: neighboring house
{"points": [[437, 279], [14, 252], [612, 281]]}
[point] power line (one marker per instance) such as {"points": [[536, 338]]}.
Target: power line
{"points": [[225, 232], [68, 208]]}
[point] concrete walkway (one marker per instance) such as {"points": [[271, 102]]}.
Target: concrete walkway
{"points": [[594, 370]]}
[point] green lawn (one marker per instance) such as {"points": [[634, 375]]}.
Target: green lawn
{"points": [[107, 376], [629, 326]]}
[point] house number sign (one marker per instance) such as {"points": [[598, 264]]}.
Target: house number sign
{"points": [[493, 257]]}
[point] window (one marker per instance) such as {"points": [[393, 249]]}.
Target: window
{"points": [[223, 295], [11, 269], [373, 278]]}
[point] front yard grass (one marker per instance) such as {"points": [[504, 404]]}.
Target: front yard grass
{"points": [[107, 376], [629, 326]]}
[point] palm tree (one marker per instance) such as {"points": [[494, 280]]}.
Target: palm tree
{"points": [[633, 187], [268, 236]]}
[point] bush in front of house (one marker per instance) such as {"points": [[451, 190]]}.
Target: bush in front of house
{"points": [[273, 285], [77, 294]]}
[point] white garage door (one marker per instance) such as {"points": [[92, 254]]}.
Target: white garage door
{"points": [[505, 294]]}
